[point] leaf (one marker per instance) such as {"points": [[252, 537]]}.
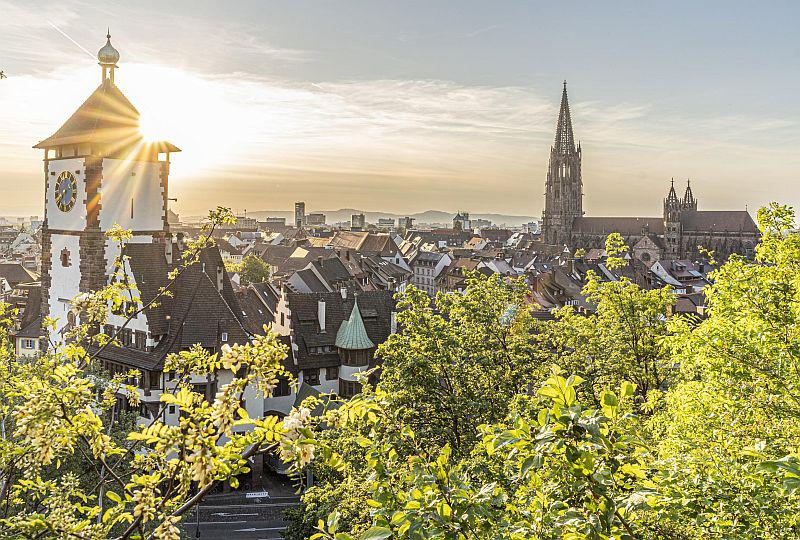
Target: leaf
{"points": [[113, 496], [377, 533], [627, 389], [444, 510]]}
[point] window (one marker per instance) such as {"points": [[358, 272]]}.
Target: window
{"points": [[224, 337], [331, 373], [311, 376], [144, 412], [140, 340], [282, 389], [155, 380], [172, 409], [28, 344], [65, 257], [348, 389], [283, 321]]}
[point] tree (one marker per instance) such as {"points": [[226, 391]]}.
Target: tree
{"points": [[552, 469], [252, 269], [448, 371], [728, 433], [455, 367], [55, 419], [622, 341]]}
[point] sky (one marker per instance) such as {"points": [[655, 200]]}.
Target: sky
{"points": [[406, 106]]}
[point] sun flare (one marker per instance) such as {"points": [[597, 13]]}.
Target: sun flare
{"points": [[185, 109]]}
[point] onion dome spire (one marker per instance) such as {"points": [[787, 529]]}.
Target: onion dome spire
{"points": [[108, 57]]}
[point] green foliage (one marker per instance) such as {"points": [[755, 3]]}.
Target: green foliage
{"points": [[699, 439], [71, 468], [622, 341], [454, 368], [251, 269], [565, 471], [728, 434]]}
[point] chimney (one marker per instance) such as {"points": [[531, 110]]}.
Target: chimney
{"points": [[220, 275], [393, 322], [179, 237], [344, 293], [319, 260], [392, 283], [168, 249], [321, 315]]}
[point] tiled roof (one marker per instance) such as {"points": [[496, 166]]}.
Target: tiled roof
{"points": [[626, 226], [375, 308], [15, 273], [311, 280], [718, 221], [196, 312]]}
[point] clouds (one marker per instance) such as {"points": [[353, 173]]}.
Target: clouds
{"points": [[257, 137]]}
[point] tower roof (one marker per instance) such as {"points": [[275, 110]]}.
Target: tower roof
{"points": [[565, 140], [106, 118], [688, 196], [352, 334], [108, 54], [672, 197]]}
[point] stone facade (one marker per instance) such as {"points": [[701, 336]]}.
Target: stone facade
{"points": [[564, 186]]}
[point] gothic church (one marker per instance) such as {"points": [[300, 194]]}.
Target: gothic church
{"points": [[679, 233]]}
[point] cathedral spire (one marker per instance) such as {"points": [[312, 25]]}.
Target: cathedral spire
{"points": [[565, 141], [672, 197], [689, 202]]}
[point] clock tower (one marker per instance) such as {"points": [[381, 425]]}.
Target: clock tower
{"points": [[99, 172]]}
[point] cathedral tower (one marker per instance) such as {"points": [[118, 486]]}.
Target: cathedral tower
{"points": [[564, 187], [99, 172], [672, 222]]}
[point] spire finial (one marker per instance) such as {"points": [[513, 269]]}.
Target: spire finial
{"points": [[673, 181], [108, 57]]}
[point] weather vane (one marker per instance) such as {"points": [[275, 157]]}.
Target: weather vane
{"points": [[3, 74]]}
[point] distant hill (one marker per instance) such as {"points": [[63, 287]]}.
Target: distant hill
{"points": [[429, 216]]}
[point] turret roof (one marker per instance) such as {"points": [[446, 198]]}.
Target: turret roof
{"points": [[352, 334]]}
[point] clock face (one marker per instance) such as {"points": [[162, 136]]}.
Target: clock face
{"points": [[66, 191]]}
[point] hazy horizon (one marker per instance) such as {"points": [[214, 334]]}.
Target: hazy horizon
{"points": [[416, 106]]}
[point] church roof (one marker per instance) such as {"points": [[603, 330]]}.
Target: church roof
{"points": [[106, 117], [626, 226], [718, 220], [352, 335]]}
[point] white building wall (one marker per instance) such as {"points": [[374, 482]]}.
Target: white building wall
{"points": [[65, 279], [124, 181]]}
